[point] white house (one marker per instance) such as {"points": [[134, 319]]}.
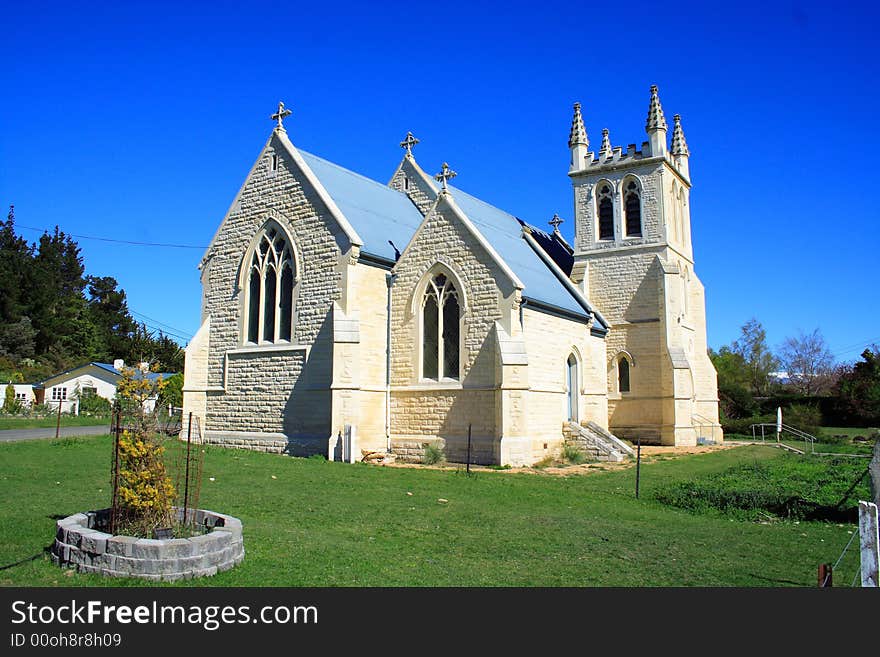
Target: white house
{"points": [[67, 388]]}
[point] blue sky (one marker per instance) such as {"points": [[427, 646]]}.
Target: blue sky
{"points": [[139, 121]]}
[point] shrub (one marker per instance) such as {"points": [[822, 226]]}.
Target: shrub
{"points": [[805, 417], [433, 454], [94, 405], [573, 454], [145, 493]]}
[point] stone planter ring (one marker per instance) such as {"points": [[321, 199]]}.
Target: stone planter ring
{"points": [[80, 544]]}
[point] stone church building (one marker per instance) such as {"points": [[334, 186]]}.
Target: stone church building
{"points": [[341, 314]]}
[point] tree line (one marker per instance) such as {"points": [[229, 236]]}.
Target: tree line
{"points": [[801, 374], [54, 316]]}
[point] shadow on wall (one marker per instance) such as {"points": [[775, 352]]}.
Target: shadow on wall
{"points": [[475, 407], [306, 420]]}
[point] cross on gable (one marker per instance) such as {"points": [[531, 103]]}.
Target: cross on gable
{"points": [[555, 221], [409, 142], [445, 175], [280, 115]]}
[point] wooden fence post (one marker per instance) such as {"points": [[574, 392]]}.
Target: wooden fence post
{"points": [[874, 470], [870, 545]]}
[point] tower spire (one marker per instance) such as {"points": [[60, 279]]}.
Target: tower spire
{"points": [[680, 152], [577, 140], [656, 126]]}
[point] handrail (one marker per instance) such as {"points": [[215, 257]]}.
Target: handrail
{"points": [[701, 421], [797, 433]]}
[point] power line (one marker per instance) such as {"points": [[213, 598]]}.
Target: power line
{"points": [[156, 321], [132, 242]]}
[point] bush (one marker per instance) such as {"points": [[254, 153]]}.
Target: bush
{"points": [[743, 425], [805, 417], [94, 405], [434, 454], [573, 454]]}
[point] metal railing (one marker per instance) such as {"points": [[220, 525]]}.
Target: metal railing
{"points": [[777, 436], [701, 422]]}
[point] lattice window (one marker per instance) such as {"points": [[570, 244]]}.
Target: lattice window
{"points": [[270, 287], [606, 212], [441, 317], [632, 203]]}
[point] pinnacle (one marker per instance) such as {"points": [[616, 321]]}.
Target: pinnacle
{"points": [[578, 134], [679, 145], [606, 142], [656, 120]]}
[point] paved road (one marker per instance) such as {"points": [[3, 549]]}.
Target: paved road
{"points": [[35, 434]]}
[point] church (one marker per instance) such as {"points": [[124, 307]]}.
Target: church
{"points": [[343, 316]]}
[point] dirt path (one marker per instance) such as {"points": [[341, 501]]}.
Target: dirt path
{"points": [[649, 453]]}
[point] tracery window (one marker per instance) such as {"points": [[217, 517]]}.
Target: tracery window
{"points": [[632, 203], [269, 304], [441, 315], [605, 207]]}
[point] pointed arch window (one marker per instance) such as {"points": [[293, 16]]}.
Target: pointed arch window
{"points": [[623, 382], [270, 287], [441, 320], [632, 206], [605, 207]]}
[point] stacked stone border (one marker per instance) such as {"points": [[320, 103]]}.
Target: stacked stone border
{"points": [[81, 545]]}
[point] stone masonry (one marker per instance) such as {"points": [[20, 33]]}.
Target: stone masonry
{"points": [[80, 544]]}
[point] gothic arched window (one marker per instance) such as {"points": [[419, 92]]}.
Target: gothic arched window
{"points": [[623, 374], [605, 206], [441, 316], [270, 282], [632, 206]]}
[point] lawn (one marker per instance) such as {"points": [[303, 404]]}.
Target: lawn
{"points": [[308, 522], [11, 422]]}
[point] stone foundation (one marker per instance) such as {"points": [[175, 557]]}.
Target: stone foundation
{"points": [[80, 544]]}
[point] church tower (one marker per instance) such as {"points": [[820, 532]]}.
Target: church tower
{"points": [[633, 258]]}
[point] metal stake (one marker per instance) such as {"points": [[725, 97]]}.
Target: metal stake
{"points": [[469, 450], [638, 464]]}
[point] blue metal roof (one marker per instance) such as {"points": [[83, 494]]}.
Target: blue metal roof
{"points": [[379, 214], [504, 232]]}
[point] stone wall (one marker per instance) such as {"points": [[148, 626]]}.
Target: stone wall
{"points": [[80, 544], [429, 410], [265, 390]]}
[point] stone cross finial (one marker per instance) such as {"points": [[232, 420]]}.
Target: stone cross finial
{"points": [[280, 115], [408, 143], [445, 175], [555, 221]]}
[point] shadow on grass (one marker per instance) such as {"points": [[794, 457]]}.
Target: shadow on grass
{"points": [[46, 550]]}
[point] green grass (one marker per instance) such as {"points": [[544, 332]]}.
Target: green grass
{"points": [[309, 522], [791, 488], [51, 421]]}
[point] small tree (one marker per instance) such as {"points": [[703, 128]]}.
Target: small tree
{"points": [[144, 491], [10, 404], [808, 362], [752, 346]]}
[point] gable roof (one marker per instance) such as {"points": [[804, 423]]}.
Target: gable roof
{"points": [[107, 367], [378, 212], [381, 214]]}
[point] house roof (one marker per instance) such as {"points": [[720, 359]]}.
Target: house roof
{"points": [[107, 367], [381, 214]]}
